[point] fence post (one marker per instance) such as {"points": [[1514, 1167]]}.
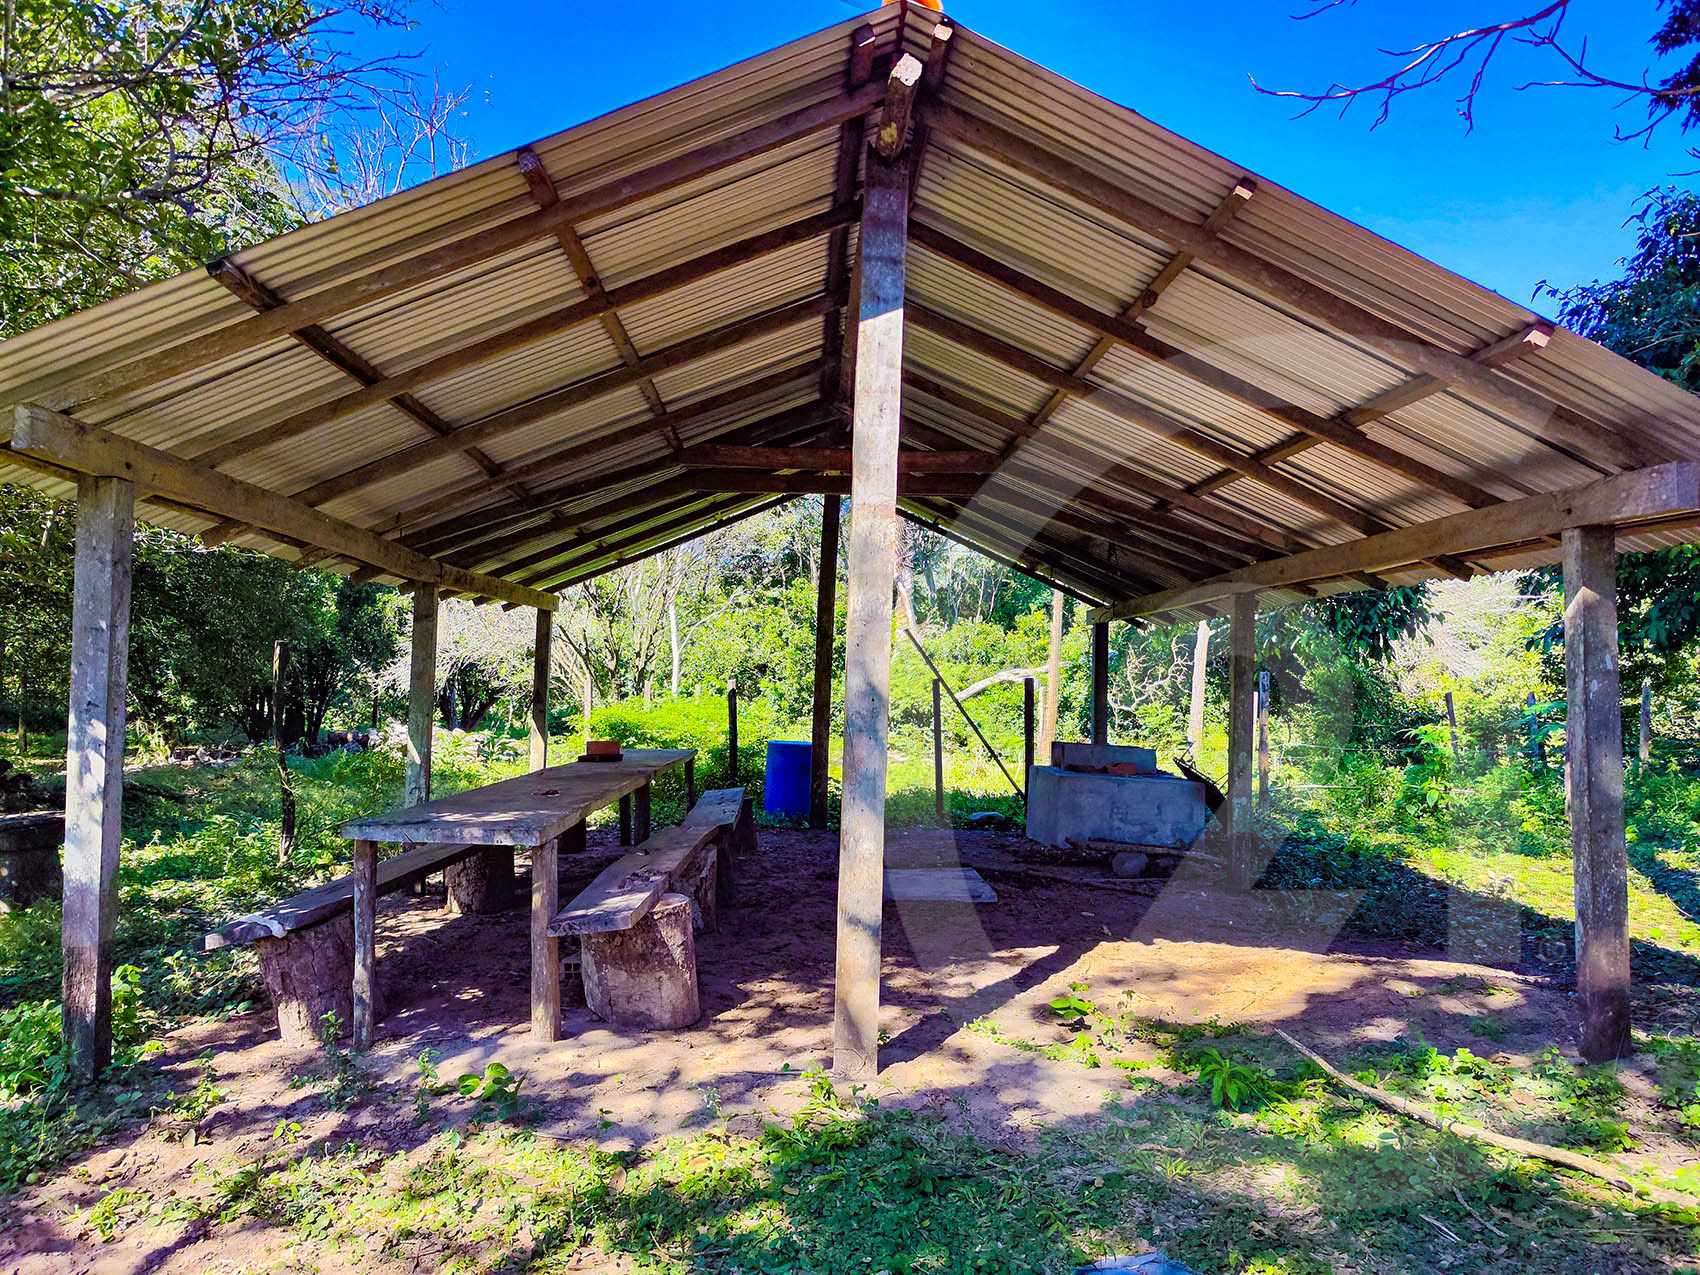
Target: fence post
{"points": [[1644, 745], [938, 752], [1263, 737], [732, 728], [1026, 733]]}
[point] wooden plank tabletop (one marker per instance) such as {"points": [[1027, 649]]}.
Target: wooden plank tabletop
{"points": [[525, 811]]}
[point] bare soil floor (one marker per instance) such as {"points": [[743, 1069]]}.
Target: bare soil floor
{"points": [[1187, 952]]}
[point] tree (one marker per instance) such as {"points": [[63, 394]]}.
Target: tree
{"points": [[142, 139], [1467, 57]]}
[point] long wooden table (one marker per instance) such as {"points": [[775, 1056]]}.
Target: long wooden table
{"points": [[543, 811]]}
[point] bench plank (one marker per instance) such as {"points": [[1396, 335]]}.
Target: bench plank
{"points": [[333, 897], [717, 808], [625, 891]]}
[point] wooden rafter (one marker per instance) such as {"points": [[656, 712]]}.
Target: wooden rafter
{"points": [[1587, 438], [832, 459], [79, 385], [846, 173], [581, 573], [89, 450], [937, 522], [1619, 501]]}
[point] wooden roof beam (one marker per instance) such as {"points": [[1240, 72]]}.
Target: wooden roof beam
{"points": [[1619, 501], [936, 522], [58, 438], [79, 385], [1588, 439], [705, 512], [1057, 552], [510, 419], [803, 484], [832, 459], [847, 171], [891, 133]]}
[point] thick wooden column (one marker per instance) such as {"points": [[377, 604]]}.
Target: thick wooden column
{"points": [[540, 668], [1242, 712], [1195, 709], [826, 623], [94, 765], [1101, 683], [867, 631], [1594, 772], [421, 695], [365, 941]]}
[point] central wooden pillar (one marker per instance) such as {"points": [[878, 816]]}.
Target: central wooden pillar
{"points": [[1593, 753], [1101, 683], [867, 631], [94, 765], [540, 669], [1242, 713], [421, 695], [826, 623]]}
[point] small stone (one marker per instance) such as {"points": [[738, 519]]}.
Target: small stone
{"points": [[1129, 863]]}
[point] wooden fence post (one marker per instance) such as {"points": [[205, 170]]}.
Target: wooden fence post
{"points": [[1594, 773], [285, 789], [826, 622], [1028, 727], [1644, 743], [876, 412], [1195, 710], [1242, 844], [1101, 683], [732, 730], [541, 667], [1263, 738], [938, 751], [421, 694], [94, 766]]}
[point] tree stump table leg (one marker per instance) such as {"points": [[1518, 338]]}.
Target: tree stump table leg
{"points": [[310, 973], [640, 815], [626, 820], [482, 884], [645, 976]]}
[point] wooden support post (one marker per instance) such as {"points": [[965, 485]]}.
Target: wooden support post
{"points": [[690, 782], [826, 624], [285, 788], [1195, 713], [1452, 727], [546, 950], [1242, 645], [94, 765], [365, 940], [540, 670], [1029, 729], [626, 820], [1644, 743], [1263, 738], [732, 731], [938, 751], [1101, 683], [1594, 774], [641, 815], [877, 411], [1536, 753], [421, 695]]}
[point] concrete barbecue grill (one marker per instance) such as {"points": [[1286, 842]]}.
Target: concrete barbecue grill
{"points": [[1106, 792]]}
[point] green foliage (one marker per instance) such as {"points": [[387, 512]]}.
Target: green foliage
{"points": [[1233, 1085], [495, 1089]]}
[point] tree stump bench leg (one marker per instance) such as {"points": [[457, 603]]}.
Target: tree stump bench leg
{"points": [[310, 973], [482, 884], [645, 976]]}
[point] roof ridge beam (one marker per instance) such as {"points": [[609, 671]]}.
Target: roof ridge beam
{"points": [[87, 449], [77, 386], [1618, 501], [1583, 435], [832, 459]]}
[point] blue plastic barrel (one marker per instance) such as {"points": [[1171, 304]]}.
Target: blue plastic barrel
{"points": [[786, 791]]}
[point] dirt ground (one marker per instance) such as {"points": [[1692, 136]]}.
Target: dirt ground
{"points": [[1188, 952]]}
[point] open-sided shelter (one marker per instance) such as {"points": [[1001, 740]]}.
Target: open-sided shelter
{"points": [[890, 260]]}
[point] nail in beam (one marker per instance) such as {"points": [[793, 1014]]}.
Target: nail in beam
{"points": [[94, 765], [867, 633], [1594, 773], [1101, 683], [826, 623], [421, 695], [1242, 646], [540, 669]]}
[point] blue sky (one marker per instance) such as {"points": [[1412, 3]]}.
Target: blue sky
{"points": [[1539, 190]]}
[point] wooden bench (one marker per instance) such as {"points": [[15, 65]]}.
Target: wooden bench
{"points": [[636, 920], [306, 943]]}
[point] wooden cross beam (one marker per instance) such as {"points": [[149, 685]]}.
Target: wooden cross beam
{"points": [[1624, 499], [797, 484], [38, 431], [832, 459]]}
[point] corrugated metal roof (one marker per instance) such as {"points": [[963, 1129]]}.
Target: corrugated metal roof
{"points": [[1106, 455]]}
